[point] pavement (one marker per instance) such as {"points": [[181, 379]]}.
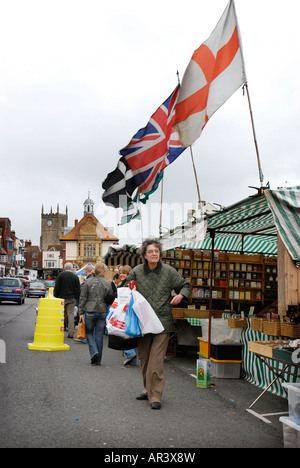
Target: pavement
{"points": [[59, 400]]}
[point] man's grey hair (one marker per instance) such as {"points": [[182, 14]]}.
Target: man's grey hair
{"points": [[150, 241], [68, 266]]}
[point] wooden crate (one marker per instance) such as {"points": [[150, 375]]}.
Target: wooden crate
{"points": [[265, 348], [178, 313], [196, 313], [272, 328], [290, 329], [237, 322], [257, 323]]}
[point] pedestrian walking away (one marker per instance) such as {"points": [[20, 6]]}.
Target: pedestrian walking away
{"points": [[67, 287], [88, 274], [96, 296], [156, 281], [88, 271]]}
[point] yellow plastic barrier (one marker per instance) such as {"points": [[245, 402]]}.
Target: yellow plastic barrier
{"points": [[49, 328]]}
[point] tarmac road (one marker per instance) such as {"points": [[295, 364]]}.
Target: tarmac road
{"points": [[58, 399]]}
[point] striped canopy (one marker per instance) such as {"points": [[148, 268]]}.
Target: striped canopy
{"points": [[251, 226], [122, 255]]}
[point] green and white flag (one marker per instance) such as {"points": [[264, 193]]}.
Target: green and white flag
{"points": [[130, 211]]}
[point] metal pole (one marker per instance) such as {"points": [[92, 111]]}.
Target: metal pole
{"points": [[161, 199], [261, 176], [212, 235]]}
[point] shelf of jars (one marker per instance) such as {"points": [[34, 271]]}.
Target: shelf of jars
{"points": [[242, 278]]}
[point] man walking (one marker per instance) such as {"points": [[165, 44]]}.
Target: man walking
{"points": [[67, 287], [156, 281]]}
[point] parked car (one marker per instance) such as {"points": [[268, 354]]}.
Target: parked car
{"points": [[36, 289], [12, 289]]}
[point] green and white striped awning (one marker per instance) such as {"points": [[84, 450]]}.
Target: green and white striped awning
{"points": [[285, 206], [122, 255], [252, 225]]}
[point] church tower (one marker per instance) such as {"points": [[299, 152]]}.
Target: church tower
{"points": [[52, 227]]}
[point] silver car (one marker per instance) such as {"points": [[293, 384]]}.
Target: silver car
{"points": [[36, 289]]}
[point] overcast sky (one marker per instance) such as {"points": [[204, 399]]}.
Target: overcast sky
{"points": [[78, 78]]}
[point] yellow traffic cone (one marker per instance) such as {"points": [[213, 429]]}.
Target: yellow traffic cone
{"points": [[49, 329]]}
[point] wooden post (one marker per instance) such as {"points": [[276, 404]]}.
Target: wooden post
{"points": [[288, 279], [260, 172]]}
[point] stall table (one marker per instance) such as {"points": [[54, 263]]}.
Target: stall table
{"points": [[266, 352]]}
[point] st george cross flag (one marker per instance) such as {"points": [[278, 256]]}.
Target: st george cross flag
{"points": [[149, 152], [214, 73]]}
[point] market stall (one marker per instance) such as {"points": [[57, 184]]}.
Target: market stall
{"points": [[122, 255], [81, 271], [249, 249], [268, 223]]}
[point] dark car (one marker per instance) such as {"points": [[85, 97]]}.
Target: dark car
{"points": [[36, 289], [12, 289]]}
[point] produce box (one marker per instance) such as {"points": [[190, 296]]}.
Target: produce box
{"points": [[203, 373], [223, 369], [291, 433], [203, 348], [284, 354], [257, 323], [265, 348], [294, 400], [226, 351]]}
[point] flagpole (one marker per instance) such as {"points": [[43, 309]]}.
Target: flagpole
{"points": [[261, 176], [192, 157], [140, 209], [161, 199]]}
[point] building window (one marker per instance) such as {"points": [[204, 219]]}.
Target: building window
{"points": [[35, 255], [89, 249], [35, 264], [50, 264]]}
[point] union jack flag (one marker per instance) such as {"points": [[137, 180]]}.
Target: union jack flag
{"points": [[148, 153], [154, 147]]}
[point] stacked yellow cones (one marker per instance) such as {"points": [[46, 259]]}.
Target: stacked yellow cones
{"points": [[49, 329]]}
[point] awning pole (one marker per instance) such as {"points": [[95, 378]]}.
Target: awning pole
{"points": [[212, 236]]}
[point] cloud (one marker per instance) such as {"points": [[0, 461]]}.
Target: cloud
{"points": [[78, 79]]}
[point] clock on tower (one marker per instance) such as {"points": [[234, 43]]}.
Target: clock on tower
{"points": [[52, 227]]}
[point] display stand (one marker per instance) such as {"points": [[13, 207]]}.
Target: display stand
{"points": [[279, 374]]}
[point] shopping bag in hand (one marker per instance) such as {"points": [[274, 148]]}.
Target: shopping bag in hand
{"points": [[148, 320], [115, 319], [81, 334], [132, 327]]}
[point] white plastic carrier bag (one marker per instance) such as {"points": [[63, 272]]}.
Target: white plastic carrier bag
{"points": [[149, 322], [115, 318]]}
